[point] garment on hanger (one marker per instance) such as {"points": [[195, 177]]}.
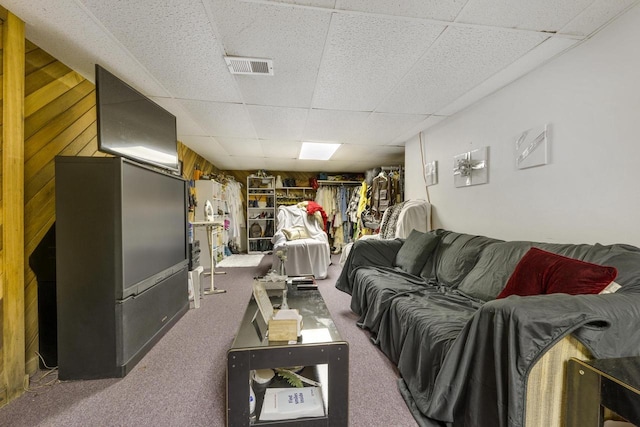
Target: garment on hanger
{"points": [[381, 196]]}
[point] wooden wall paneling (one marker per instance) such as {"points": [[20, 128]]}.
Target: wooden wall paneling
{"points": [[59, 142], [39, 78], [35, 58], [47, 93], [39, 118], [38, 173], [36, 140], [31, 321], [13, 322], [3, 387]]}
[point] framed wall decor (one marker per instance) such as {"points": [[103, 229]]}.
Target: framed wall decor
{"points": [[532, 148], [471, 168], [431, 173]]}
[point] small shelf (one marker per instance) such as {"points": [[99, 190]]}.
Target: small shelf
{"points": [[286, 196], [330, 182], [260, 191]]}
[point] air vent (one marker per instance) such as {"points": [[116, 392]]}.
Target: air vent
{"points": [[255, 66]]}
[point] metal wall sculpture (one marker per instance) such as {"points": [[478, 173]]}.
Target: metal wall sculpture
{"points": [[431, 173], [471, 168], [531, 148]]}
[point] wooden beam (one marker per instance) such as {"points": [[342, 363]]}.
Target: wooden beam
{"points": [[13, 323]]}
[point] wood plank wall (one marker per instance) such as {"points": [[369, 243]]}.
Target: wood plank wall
{"points": [[3, 389], [13, 315]]}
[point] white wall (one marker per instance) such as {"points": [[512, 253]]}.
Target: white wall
{"points": [[589, 191]]}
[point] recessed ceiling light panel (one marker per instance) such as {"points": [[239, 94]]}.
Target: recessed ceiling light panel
{"points": [[317, 150], [253, 66]]}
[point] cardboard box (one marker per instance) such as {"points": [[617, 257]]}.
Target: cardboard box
{"points": [[283, 330], [285, 325]]}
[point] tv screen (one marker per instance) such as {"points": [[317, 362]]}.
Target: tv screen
{"points": [[154, 226], [132, 126]]}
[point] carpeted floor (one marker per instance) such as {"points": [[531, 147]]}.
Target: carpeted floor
{"points": [[181, 381], [241, 260]]}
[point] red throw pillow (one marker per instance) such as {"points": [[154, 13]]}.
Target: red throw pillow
{"points": [[542, 272]]}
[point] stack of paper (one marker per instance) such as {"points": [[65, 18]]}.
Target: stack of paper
{"points": [[291, 403]]}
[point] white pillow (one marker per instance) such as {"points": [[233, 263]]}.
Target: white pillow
{"points": [[294, 233]]}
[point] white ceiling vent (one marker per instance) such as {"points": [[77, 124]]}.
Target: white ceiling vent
{"points": [[255, 66]]}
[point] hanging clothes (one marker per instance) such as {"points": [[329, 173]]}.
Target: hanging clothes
{"points": [[381, 195]]}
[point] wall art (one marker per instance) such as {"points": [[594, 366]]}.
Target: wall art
{"points": [[431, 173], [471, 168], [532, 148]]}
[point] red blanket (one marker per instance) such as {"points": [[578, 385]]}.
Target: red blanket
{"points": [[313, 207]]}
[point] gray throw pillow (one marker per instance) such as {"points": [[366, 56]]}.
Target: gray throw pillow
{"points": [[415, 251]]}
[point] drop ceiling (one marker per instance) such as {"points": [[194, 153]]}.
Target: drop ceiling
{"points": [[369, 74]]}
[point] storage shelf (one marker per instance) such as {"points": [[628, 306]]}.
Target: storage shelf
{"points": [[261, 189], [214, 192], [329, 182]]}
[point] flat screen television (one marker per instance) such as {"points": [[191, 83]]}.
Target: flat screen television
{"points": [[133, 126]]}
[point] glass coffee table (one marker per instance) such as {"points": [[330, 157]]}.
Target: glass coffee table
{"points": [[320, 355]]}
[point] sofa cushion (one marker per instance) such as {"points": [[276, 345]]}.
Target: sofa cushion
{"points": [[415, 251], [456, 256], [493, 269], [542, 272]]}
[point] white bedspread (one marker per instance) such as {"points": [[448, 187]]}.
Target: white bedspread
{"points": [[310, 255]]}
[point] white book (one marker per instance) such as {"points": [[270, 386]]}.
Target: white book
{"points": [[291, 403]]}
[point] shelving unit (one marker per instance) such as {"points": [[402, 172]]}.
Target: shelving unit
{"points": [[261, 213], [212, 191], [292, 195], [330, 182]]}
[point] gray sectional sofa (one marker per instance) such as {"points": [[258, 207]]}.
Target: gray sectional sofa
{"points": [[467, 357]]}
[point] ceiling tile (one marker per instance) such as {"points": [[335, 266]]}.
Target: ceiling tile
{"points": [[185, 124], [315, 3], [250, 163], [595, 16], [277, 122], [382, 128], [377, 153], [461, 59], [274, 164], [228, 163], [283, 149], [521, 66], [67, 32], [365, 57], [539, 15], [331, 125], [292, 37], [176, 41], [431, 9], [220, 119], [206, 146], [432, 120], [241, 147]]}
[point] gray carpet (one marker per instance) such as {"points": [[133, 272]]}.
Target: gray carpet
{"points": [[181, 381]]}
